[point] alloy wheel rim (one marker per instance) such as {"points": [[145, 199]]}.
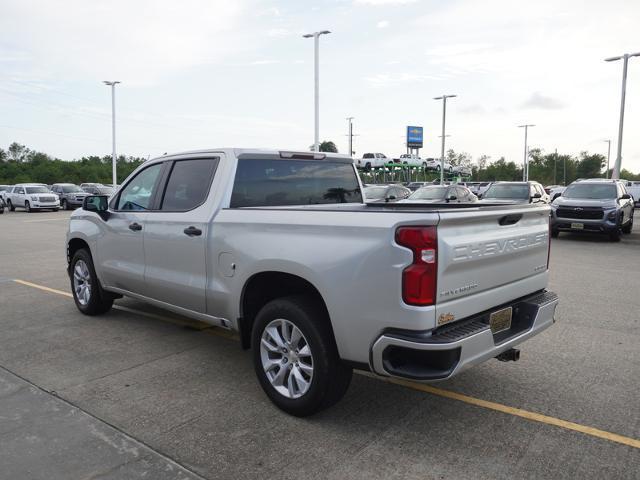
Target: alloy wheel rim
{"points": [[286, 358], [82, 282]]}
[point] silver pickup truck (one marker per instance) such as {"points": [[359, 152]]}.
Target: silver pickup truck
{"points": [[279, 247]]}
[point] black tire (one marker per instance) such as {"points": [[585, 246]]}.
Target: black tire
{"points": [[629, 226], [99, 301], [11, 207], [331, 377], [555, 233], [615, 235], [367, 167], [65, 205], [424, 165], [27, 206]]}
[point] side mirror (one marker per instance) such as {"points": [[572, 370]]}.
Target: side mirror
{"points": [[479, 195], [391, 197], [451, 198], [626, 196], [98, 204]]}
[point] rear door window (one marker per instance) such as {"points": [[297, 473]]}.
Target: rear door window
{"points": [[265, 182], [188, 184]]}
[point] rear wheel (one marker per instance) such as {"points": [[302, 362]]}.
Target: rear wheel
{"points": [[89, 296], [554, 233], [295, 356]]}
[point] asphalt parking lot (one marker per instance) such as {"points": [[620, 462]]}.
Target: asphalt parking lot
{"points": [[141, 393]]}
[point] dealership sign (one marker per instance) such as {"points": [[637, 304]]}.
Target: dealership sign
{"points": [[414, 137]]}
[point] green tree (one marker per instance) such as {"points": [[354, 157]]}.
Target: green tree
{"points": [[590, 165], [328, 146], [17, 152]]}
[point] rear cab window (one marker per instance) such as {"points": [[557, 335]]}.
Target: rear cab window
{"points": [[278, 182]]}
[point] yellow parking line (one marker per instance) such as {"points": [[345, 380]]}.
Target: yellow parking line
{"points": [[498, 407], [41, 287], [536, 417]]}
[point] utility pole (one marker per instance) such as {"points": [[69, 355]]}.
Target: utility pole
{"points": [[606, 175], [525, 163], [444, 121], [625, 58], [316, 64], [350, 134], [112, 84]]}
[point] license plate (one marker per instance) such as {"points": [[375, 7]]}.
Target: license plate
{"points": [[577, 226], [501, 320]]}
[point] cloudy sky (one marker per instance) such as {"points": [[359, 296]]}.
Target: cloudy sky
{"points": [[209, 73]]}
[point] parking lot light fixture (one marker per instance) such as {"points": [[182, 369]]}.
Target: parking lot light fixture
{"points": [[444, 121], [525, 163], [112, 84], [316, 68], [625, 58]]}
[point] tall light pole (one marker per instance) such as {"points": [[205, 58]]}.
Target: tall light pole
{"points": [[113, 84], [444, 121], [316, 63], [525, 163], [350, 134], [618, 165], [606, 175]]}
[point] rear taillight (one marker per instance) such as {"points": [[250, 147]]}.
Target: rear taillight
{"points": [[419, 278]]}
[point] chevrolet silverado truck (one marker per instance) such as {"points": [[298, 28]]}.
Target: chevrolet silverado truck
{"points": [[280, 247]]}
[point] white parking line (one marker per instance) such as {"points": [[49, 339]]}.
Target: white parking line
{"points": [[45, 220]]}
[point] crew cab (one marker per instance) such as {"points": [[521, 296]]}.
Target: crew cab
{"points": [[31, 196], [281, 248]]}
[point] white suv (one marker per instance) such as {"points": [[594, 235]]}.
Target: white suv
{"points": [[370, 160], [32, 196]]}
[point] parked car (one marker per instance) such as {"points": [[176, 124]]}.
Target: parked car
{"points": [[385, 193], [260, 243], [409, 159], [462, 170], [436, 164], [3, 205], [3, 189], [99, 190], [593, 207], [86, 185], [71, 195], [520, 192], [554, 191], [633, 188], [32, 196], [442, 194], [413, 186], [372, 160]]}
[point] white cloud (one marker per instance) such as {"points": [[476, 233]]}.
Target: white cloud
{"points": [[384, 2], [542, 102], [382, 24], [134, 41]]}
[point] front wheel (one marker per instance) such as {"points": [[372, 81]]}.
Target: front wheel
{"points": [[27, 206], [65, 205], [295, 356], [11, 207], [89, 296]]}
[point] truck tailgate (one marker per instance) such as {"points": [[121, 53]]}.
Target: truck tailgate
{"points": [[489, 258]]}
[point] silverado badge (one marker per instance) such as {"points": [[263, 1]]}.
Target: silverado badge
{"points": [[445, 318]]}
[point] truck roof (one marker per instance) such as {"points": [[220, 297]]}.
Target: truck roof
{"points": [[263, 153]]}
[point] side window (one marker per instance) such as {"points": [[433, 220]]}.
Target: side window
{"points": [[138, 192], [188, 184], [21, 191], [368, 155]]}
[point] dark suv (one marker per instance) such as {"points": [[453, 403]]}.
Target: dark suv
{"points": [[71, 196], [595, 206]]}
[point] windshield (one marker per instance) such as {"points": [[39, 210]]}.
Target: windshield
{"points": [[37, 190], [429, 193], [72, 189], [590, 190], [374, 192], [105, 190], [507, 191]]}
